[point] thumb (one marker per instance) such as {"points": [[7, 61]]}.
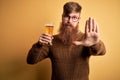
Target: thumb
{"points": [[77, 43]]}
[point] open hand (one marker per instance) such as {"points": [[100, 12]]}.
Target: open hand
{"points": [[92, 34]]}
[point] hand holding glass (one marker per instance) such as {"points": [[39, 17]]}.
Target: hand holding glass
{"points": [[49, 30]]}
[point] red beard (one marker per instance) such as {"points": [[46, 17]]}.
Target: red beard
{"points": [[67, 33]]}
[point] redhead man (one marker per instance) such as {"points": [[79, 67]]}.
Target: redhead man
{"points": [[71, 49]]}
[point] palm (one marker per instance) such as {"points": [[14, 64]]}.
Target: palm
{"points": [[91, 36], [90, 39]]}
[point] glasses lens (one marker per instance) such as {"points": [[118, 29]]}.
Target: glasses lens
{"points": [[74, 18]]}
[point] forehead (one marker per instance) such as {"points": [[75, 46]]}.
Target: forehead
{"points": [[74, 14]]}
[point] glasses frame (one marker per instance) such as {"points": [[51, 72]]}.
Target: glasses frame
{"points": [[74, 18]]}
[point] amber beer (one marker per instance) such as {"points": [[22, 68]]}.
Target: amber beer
{"points": [[49, 30]]}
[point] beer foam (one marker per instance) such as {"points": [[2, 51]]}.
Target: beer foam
{"points": [[49, 24]]}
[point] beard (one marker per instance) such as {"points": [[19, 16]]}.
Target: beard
{"points": [[67, 33]]}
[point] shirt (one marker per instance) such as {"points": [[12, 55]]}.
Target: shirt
{"points": [[69, 62]]}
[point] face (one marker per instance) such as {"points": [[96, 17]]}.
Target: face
{"points": [[71, 20], [69, 28]]}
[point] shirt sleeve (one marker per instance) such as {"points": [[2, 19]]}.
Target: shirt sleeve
{"points": [[37, 53], [97, 49]]}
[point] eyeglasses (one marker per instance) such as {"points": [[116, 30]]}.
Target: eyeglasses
{"points": [[74, 18]]}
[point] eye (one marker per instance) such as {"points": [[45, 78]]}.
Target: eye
{"points": [[66, 17], [74, 17]]}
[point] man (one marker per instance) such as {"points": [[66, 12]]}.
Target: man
{"points": [[71, 49]]}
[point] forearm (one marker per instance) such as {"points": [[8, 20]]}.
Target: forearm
{"points": [[37, 53], [98, 49]]}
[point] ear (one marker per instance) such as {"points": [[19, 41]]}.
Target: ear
{"points": [[79, 19]]}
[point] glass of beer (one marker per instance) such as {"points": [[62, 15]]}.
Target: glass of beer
{"points": [[49, 30]]}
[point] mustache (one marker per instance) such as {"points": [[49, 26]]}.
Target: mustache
{"points": [[68, 24]]}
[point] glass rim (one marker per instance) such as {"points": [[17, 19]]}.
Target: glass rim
{"points": [[49, 24]]}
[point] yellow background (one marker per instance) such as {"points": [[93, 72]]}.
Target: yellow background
{"points": [[22, 22]]}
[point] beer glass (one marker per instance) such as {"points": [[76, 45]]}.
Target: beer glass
{"points": [[49, 30]]}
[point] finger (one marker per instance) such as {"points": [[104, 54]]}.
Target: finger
{"points": [[46, 37], [77, 43], [90, 24], [94, 25], [97, 28], [86, 27], [43, 41]]}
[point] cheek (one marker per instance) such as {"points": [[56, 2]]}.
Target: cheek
{"points": [[75, 24], [63, 21]]}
